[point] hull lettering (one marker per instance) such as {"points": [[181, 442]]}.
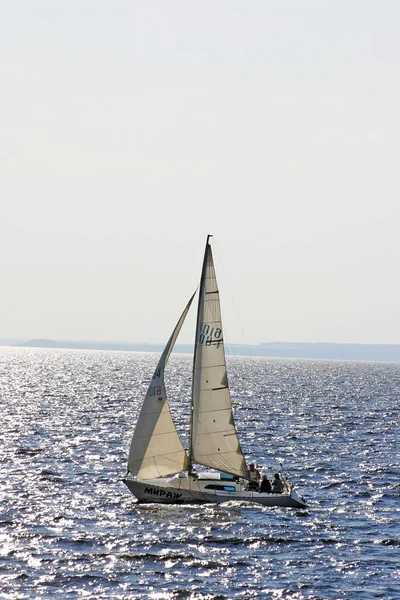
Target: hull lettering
{"points": [[162, 493]]}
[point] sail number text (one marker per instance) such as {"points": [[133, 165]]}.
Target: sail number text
{"points": [[209, 335], [155, 390]]}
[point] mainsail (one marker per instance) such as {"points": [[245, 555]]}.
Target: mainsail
{"points": [[156, 449], [214, 441]]}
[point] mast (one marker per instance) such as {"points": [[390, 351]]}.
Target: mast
{"points": [[201, 293], [213, 436]]}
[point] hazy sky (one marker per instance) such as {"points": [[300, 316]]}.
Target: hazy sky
{"points": [[130, 130]]}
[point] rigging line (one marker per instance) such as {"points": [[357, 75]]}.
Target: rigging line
{"points": [[232, 350]]}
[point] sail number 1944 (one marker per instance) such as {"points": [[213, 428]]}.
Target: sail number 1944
{"points": [[209, 335], [155, 390]]}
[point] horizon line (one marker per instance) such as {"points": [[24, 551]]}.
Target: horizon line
{"points": [[17, 341]]}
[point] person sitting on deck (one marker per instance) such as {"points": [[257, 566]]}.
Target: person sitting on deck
{"points": [[254, 476], [265, 487], [277, 485]]}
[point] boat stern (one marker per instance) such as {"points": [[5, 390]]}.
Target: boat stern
{"points": [[299, 501]]}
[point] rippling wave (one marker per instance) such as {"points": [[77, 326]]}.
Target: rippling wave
{"points": [[69, 528]]}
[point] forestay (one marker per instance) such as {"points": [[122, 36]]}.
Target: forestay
{"points": [[156, 449], [214, 441]]}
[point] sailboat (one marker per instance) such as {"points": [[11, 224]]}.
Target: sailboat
{"points": [[159, 468]]}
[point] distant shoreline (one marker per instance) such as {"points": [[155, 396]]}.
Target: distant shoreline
{"points": [[310, 350]]}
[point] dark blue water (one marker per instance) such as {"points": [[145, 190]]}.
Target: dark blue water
{"points": [[70, 529]]}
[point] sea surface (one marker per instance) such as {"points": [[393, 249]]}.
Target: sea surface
{"points": [[69, 528]]}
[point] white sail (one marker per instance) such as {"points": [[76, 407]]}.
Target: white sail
{"points": [[156, 449], [214, 441]]}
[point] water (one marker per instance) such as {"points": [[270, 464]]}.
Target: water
{"points": [[70, 529]]}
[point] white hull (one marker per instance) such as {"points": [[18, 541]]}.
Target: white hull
{"points": [[196, 490]]}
